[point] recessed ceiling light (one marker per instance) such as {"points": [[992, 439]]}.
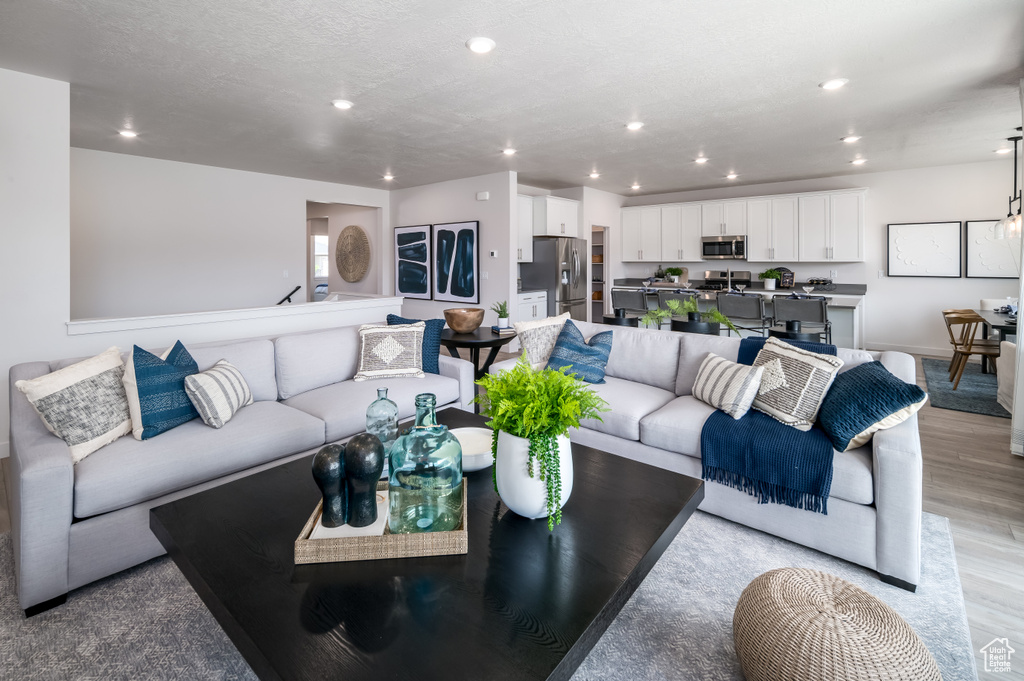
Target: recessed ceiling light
{"points": [[509, 151], [635, 186], [700, 159], [834, 83], [859, 161], [342, 104], [850, 139], [128, 133], [389, 177], [595, 175], [481, 45], [634, 125], [1004, 150], [731, 176]]}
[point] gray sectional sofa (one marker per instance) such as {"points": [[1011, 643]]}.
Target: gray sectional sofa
{"points": [[874, 509], [74, 524]]}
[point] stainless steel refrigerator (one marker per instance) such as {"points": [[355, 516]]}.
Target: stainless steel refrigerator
{"points": [[559, 268]]}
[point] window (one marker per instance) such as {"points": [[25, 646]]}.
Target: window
{"points": [[320, 256]]}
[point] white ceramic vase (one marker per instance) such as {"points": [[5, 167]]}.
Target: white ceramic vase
{"points": [[522, 494], [503, 322], [769, 284]]}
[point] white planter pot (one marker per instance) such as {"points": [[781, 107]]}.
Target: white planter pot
{"points": [[522, 494], [769, 284], [503, 322]]}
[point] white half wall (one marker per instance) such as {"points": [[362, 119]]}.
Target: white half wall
{"points": [[340, 216], [900, 313], [455, 201], [161, 237]]}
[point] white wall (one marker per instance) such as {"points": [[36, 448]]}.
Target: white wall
{"points": [[340, 216], [900, 313], [455, 201], [161, 237]]}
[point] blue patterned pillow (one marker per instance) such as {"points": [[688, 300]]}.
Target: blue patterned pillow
{"points": [[864, 400], [156, 390], [587, 360], [431, 340]]}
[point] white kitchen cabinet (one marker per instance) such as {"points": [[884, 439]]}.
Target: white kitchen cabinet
{"points": [[721, 218], [772, 230], [555, 216], [524, 233], [831, 227], [680, 233], [532, 306], [641, 234]]}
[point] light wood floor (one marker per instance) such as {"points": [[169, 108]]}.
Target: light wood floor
{"points": [[971, 478]]}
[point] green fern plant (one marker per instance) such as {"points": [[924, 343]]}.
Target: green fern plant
{"points": [[501, 309], [539, 406]]}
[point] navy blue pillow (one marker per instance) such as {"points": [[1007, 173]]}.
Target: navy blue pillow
{"points": [[163, 402], [749, 347], [431, 340], [587, 360], [864, 400]]}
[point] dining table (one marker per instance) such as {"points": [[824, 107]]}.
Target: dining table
{"points": [[999, 322]]}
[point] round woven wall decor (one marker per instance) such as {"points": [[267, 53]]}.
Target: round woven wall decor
{"points": [[352, 255]]}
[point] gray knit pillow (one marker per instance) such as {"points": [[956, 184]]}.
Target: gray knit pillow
{"points": [[794, 383], [390, 351]]}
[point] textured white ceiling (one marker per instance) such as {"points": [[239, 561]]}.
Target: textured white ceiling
{"points": [[247, 84]]}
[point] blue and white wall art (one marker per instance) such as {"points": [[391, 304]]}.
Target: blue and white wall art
{"points": [[456, 261], [412, 262]]}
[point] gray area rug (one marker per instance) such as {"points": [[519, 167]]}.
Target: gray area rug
{"points": [[147, 622], [976, 393]]}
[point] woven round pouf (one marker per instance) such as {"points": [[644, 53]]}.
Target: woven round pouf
{"points": [[804, 625]]}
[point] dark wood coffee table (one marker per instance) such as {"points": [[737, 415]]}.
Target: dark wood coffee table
{"points": [[524, 603]]}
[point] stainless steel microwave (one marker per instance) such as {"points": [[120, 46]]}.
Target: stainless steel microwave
{"points": [[723, 248]]}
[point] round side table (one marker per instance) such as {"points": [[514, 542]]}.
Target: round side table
{"points": [[483, 337], [628, 320], [804, 336]]}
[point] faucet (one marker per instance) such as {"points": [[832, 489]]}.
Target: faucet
{"points": [[728, 279]]}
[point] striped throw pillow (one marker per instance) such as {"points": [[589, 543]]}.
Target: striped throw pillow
{"points": [[218, 393], [726, 385]]}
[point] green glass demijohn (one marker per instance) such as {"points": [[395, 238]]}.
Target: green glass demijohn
{"points": [[382, 419], [425, 475]]}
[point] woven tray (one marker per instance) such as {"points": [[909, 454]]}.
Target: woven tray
{"points": [[344, 549]]}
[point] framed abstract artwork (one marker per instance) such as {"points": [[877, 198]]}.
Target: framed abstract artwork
{"points": [[457, 262], [925, 249], [412, 262], [989, 257]]}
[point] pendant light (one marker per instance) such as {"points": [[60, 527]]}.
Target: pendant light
{"points": [[1010, 226]]}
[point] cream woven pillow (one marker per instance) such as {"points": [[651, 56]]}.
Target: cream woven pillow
{"points": [[727, 385], [794, 383], [390, 351], [538, 338]]}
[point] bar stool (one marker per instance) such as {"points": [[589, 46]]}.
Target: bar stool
{"points": [[680, 295], [631, 301], [811, 312], [745, 311]]}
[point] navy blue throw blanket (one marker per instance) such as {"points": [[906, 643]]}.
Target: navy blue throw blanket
{"points": [[774, 462]]}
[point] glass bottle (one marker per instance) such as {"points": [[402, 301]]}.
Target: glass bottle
{"points": [[425, 475], [382, 419]]}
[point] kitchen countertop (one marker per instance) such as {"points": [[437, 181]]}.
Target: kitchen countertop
{"points": [[531, 291], [755, 287]]}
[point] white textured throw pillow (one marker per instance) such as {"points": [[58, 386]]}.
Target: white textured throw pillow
{"points": [[538, 338], [218, 393], [727, 385], [795, 382], [83, 404], [390, 351]]}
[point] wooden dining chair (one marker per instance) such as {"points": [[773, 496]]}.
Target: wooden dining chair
{"points": [[958, 337], [963, 329]]}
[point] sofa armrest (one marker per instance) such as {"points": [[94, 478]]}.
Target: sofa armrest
{"points": [[462, 371], [498, 367], [41, 495], [898, 472]]}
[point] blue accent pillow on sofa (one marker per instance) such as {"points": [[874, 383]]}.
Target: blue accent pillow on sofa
{"points": [[431, 340], [587, 360], [864, 400], [163, 402]]}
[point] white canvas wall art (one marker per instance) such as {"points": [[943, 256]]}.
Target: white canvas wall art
{"points": [[925, 249], [989, 257]]}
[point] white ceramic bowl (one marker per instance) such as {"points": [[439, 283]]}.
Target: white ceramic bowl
{"points": [[476, 448]]}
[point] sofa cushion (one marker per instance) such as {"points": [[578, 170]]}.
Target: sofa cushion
{"points": [[629, 403], [852, 358], [676, 427], [306, 361], [693, 348], [645, 356], [128, 471], [342, 406], [253, 358]]}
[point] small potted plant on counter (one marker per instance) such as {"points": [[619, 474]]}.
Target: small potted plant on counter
{"points": [[707, 322], [502, 311], [673, 274], [769, 277]]}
